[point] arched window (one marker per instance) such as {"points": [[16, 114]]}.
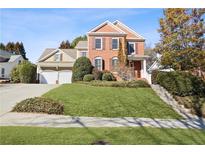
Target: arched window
{"points": [[98, 62], [114, 62]]}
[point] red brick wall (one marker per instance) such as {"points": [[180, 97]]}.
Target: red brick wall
{"points": [[106, 53]]}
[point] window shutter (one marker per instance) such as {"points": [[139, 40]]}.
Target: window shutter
{"points": [[93, 43], [136, 48], [103, 43]]}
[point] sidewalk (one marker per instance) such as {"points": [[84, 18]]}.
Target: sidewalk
{"points": [[44, 120]]}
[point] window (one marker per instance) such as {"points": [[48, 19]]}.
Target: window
{"points": [[115, 43], [98, 43], [83, 54], [131, 48], [114, 62], [2, 72], [98, 63], [57, 57]]}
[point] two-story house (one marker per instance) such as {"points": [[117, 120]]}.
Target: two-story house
{"points": [[104, 44], [102, 48]]}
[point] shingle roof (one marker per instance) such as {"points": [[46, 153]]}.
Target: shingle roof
{"points": [[71, 52], [82, 45], [5, 54], [14, 57]]}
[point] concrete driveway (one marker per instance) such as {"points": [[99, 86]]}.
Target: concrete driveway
{"points": [[10, 94]]}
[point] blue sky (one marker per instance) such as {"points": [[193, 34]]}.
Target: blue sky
{"points": [[46, 28]]}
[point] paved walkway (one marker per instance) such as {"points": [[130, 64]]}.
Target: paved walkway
{"points": [[10, 94], [44, 120]]}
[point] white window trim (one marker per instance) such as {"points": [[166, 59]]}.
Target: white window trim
{"points": [[134, 46], [99, 58], [118, 43], [82, 52], [58, 53], [101, 43]]}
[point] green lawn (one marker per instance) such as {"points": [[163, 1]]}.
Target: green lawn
{"points": [[140, 135], [85, 100]]}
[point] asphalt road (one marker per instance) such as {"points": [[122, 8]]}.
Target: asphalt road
{"points": [[10, 94]]}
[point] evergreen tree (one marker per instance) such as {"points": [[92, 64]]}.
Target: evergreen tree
{"points": [[2, 46], [181, 44], [22, 51], [65, 45], [10, 47]]}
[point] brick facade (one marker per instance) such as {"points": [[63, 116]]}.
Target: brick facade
{"points": [[107, 32]]}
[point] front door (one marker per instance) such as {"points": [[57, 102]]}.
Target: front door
{"points": [[137, 68]]}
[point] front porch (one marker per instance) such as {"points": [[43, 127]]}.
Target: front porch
{"points": [[138, 64]]}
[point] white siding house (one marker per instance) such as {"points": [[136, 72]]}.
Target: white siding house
{"points": [[7, 62]]}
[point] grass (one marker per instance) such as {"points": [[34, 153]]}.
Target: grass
{"points": [[85, 100], [140, 135]]}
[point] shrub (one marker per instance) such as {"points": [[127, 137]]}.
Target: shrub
{"points": [[97, 74], [108, 76], [39, 105], [81, 67], [128, 84], [15, 78], [154, 76], [88, 77], [138, 83], [25, 72], [181, 83]]}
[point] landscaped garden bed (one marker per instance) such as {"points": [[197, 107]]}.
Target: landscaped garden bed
{"points": [[125, 84], [94, 101], [188, 90]]}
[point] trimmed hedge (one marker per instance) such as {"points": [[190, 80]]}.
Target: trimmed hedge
{"points": [[188, 90], [181, 83], [88, 77], [39, 105], [108, 76], [81, 67], [125, 84]]}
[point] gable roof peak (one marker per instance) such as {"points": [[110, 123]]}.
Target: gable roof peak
{"points": [[108, 23], [128, 28]]}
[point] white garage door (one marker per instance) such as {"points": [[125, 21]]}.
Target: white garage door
{"points": [[65, 77], [53, 77]]}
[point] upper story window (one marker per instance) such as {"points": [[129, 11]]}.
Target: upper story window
{"points": [[115, 43], [57, 57], [131, 48], [98, 43], [83, 54]]}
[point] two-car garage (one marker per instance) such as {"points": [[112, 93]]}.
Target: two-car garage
{"points": [[55, 77]]}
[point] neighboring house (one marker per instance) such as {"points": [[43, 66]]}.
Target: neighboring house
{"points": [[82, 49], [55, 65], [157, 66], [104, 44], [8, 61]]}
